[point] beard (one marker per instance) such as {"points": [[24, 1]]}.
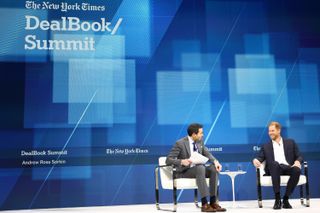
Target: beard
{"points": [[198, 139], [274, 137]]}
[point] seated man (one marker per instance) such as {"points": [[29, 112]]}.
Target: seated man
{"points": [[180, 157], [282, 158]]}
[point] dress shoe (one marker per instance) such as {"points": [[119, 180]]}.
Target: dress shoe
{"points": [[217, 207], [286, 204], [277, 204], [207, 208]]}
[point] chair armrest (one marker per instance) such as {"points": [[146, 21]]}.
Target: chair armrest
{"points": [[305, 168], [305, 164], [259, 188], [258, 176], [174, 170], [164, 166]]}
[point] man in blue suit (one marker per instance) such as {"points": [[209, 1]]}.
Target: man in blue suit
{"points": [[282, 157], [180, 157]]}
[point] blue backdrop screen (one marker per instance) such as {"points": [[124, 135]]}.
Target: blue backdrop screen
{"points": [[93, 92]]}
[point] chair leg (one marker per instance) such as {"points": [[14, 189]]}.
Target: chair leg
{"points": [[259, 189], [307, 195], [174, 197], [260, 203], [301, 195], [307, 184], [156, 172], [157, 187], [196, 198]]}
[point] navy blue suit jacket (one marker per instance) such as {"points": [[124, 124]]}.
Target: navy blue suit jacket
{"points": [[291, 152]]}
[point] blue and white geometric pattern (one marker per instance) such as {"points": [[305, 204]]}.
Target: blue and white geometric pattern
{"points": [[183, 97]]}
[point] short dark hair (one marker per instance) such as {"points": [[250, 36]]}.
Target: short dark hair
{"points": [[276, 124], [194, 128]]}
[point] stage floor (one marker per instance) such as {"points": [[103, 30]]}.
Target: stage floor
{"points": [[241, 206]]}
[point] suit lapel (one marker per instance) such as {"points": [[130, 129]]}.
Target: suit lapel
{"points": [[285, 150], [187, 146], [199, 145], [271, 148]]}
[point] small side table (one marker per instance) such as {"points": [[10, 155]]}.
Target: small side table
{"points": [[232, 175]]}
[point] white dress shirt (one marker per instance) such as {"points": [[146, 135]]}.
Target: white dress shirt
{"points": [[191, 144], [278, 152]]}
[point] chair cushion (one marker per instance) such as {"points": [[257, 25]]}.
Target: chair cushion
{"points": [[186, 183], [181, 183], [266, 180]]}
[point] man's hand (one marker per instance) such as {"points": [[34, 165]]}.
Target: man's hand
{"points": [[185, 162], [297, 164], [256, 163], [218, 166]]}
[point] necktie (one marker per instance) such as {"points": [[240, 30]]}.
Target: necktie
{"points": [[195, 148]]}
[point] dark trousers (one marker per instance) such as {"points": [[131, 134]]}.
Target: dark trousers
{"points": [[277, 169], [201, 172]]}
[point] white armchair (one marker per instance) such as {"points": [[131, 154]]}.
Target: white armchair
{"points": [[169, 181], [263, 180]]}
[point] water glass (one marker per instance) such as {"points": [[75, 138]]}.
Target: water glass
{"points": [[239, 167], [226, 167]]}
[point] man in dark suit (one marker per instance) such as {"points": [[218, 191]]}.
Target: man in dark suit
{"points": [[282, 157], [179, 156]]}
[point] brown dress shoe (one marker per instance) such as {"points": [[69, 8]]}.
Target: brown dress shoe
{"points": [[207, 208], [217, 207]]}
